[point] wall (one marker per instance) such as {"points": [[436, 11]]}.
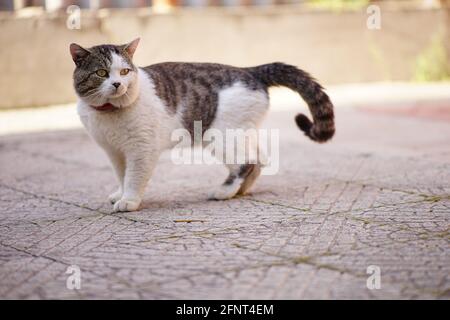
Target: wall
{"points": [[336, 47]]}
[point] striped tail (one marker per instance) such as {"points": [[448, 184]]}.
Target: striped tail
{"points": [[320, 106]]}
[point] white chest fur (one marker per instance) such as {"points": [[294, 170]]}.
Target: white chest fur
{"points": [[144, 122]]}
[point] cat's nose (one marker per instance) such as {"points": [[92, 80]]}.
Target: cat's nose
{"points": [[116, 84]]}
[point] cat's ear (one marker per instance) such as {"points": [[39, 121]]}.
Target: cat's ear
{"points": [[78, 52], [130, 48]]}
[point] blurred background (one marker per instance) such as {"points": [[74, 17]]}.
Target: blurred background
{"points": [[376, 45], [377, 195]]}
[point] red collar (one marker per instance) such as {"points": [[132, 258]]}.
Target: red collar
{"points": [[105, 107]]}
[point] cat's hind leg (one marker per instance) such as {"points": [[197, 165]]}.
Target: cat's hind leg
{"points": [[239, 114], [239, 180], [241, 176], [254, 171]]}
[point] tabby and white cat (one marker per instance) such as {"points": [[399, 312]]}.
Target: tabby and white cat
{"points": [[131, 112]]}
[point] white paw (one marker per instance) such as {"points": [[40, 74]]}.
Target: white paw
{"points": [[114, 197], [127, 205], [224, 192]]}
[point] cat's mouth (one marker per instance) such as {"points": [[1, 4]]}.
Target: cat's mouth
{"points": [[107, 107], [118, 92]]}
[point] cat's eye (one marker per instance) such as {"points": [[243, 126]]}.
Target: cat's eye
{"points": [[124, 72], [101, 73]]}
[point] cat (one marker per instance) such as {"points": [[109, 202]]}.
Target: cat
{"points": [[131, 111]]}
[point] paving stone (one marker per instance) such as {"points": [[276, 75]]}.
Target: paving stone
{"points": [[378, 194]]}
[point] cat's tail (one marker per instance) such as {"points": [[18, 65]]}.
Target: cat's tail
{"points": [[320, 106]]}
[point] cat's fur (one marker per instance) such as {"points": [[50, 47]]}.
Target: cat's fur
{"points": [[133, 122]]}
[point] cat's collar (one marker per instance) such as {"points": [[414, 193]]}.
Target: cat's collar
{"points": [[105, 107]]}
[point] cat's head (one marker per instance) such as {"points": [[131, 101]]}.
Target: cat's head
{"points": [[106, 74]]}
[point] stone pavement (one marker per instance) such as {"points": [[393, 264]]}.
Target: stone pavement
{"points": [[378, 194]]}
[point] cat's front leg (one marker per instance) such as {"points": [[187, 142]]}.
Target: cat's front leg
{"points": [[117, 160], [115, 196], [137, 173]]}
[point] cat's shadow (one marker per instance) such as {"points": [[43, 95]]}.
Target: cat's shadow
{"points": [[151, 206]]}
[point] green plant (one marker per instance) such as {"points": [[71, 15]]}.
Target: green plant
{"points": [[338, 5], [432, 64]]}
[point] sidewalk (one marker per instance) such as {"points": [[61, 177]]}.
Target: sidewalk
{"points": [[377, 194]]}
